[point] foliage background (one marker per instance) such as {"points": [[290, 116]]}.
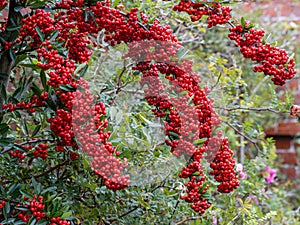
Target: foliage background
{"points": [[153, 197]]}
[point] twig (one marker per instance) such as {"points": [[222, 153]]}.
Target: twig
{"points": [[52, 169], [234, 218], [218, 80], [250, 109], [177, 203], [128, 212], [26, 143], [245, 136], [188, 219]]}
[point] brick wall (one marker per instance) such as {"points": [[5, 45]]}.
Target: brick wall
{"points": [[286, 134]]}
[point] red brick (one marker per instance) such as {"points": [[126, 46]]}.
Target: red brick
{"points": [[297, 98], [296, 145], [296, 10], [284, 129], [283, 142], [290, 158], [270, 12], [289, 172], [293, 84], [285, 10]]}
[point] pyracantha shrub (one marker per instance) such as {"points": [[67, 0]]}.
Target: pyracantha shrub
{"points": [[62, 42]]}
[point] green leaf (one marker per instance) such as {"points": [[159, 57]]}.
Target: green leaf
{"points": [[36, 130], [251, 25], [13, 188], [12, 55], [173, 134], [41, 36], [67, 87], [26, 193], [6, 141], [4, 128], [36, 90], [66, 215], [20, 58], [22, 208], [43, 79], [243, 22], [83, 70], [35, 186], [55, 34], [115, 3], [199, 141], [3, 92], [196, 173], [25, 127], [17, 92], [86, 16], [190, 99], [42, 222], [32, 66], [17, 114], [13, 28], [4, 210], [203, 187], [86, 164], [49, 189], [207, 196], [32, 221]]}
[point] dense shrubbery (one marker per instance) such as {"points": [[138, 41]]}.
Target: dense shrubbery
{"points": [[142, 130]]}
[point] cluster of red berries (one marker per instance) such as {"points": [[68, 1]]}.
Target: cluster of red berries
{"points": [[33, 26], [223, 169], [7, 45], [89, 128], [3, 26], [41, 150], [2, 204], [3, 3], [185, 123], [61, 125], [59, 221], [61, 69], [196, 188], [73, 31], [273, 60], [67, 4], [216, 13], [36, 208], [17, 154], [30, 106]]}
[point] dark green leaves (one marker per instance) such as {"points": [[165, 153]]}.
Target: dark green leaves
{"points": [[12, 55], [3, 128], [44, 80], [81, 70], [36, 130], [41, 36], [67, 87], [243, 22], [54, 36]]}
